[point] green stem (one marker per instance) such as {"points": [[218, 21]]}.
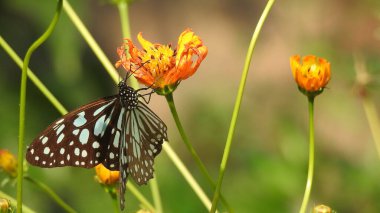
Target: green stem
{"points": [[156, 195], [311, 157], [51, 193], [33, 77], [187, 175], [53, 100], [124, 18], [13, 202], [185, 139], [91, 41], [139, 196], [373, 120], [28, 55], [239, 97], [126, 30], [170, 100]]}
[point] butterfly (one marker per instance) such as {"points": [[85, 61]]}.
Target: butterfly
{"points": [[119, 131]]}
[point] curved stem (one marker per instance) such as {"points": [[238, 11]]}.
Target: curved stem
{"points": [[311, 157], [170, 100], [28, 55], [140, 196], [51, 193], [187, 175], [185, 139], [33, 77], [239, 97]]}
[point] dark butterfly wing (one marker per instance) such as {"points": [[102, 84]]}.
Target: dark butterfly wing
{"points": [[145, 134], [79, 138]]}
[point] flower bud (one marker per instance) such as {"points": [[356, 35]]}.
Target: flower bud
{"points": [[5, 205], [8, 162], [106, 176], [311, 74], [322, 209]]}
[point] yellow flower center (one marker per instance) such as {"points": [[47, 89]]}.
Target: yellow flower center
{"points": [[311, 72], [160, 60]]}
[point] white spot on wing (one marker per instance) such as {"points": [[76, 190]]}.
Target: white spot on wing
{"points": [[44, 140], [95, 145], [116, 139], [59, 130], [83, 137], [99, 125], [76, 151], [80, 120], [84, 153], [120, 118], [46, 150], [60, 138], [59, 121], [76, 131], [102, 108]]}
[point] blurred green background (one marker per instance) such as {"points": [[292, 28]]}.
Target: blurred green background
{"points": [[268, 164]]}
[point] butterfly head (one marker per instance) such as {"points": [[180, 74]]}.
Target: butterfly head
{"points": [[128, 96]]}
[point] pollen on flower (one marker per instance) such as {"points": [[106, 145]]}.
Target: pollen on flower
{"points": [[160, 66]]}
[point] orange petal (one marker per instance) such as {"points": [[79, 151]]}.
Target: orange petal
{"points": [[146, 45]]}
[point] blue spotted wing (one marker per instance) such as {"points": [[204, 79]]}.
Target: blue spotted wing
{"points": [[119, 131]]}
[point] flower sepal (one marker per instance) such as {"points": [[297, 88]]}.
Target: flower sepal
{"points": [[310, 94], [167, 89]]}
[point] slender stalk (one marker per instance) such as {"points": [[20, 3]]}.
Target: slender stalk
{"points": [[111, 190], [28, 55], [33, 77], [185, 139], [239, 97], [122, 6], [53, 100], [156, 195], [51, 193], [363, 78], [373, 120], [187, 175], [311, 157], [139, 196], [13, 202], [124, 18], [90, 41]]}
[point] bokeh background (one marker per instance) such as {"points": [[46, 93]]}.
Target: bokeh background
{"points": [[268, 164]]}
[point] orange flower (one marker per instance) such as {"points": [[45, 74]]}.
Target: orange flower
{"points": [[8, 162], [106, 176], [311, 73], [161, 67]]}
